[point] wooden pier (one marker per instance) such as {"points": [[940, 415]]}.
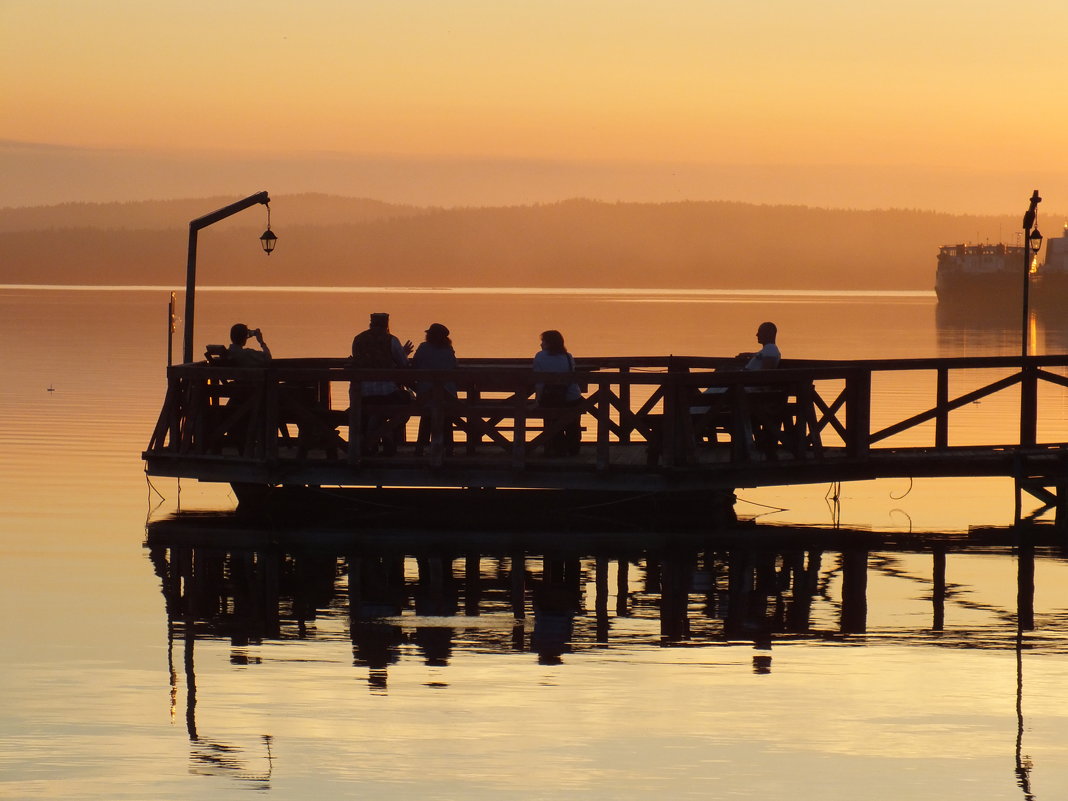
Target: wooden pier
{"points": [[649, 425]]}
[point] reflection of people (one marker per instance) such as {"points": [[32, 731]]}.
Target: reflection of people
{"points": [[378, 348], [554, 358], [240, 356], [436, 353]]}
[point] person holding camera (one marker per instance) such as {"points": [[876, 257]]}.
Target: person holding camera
{"points": [[240, 356]]}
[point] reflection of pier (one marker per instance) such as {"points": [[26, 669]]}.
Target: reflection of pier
{"points": [[647, 426], [433, 594], [400, 598]]}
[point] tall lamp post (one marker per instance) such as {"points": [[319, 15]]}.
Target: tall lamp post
{"points": [[267, 240], [1032, 243]]}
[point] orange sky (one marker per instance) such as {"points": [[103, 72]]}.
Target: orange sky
{"points": [[927, 85]]}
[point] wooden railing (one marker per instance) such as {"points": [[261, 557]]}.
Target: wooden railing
{"points": [[636, 413]]}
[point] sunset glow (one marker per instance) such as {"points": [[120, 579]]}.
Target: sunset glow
{"points": [[930, 85]]}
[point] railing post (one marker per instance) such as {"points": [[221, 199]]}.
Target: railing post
{"points": [[173, 410], [1028, 405], [941, 402], [519, 430], [355, 421], [473, 439], [858, 412], [625, 428], [438, 424], [195, 411], [742, 445], [270, 425], [671, 415], [603, 408]]}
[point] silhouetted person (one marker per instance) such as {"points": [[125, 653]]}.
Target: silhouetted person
{"points": [[768, 356], [238, 391], [240, 356], [554, 358], [377, 348], [436, 353]]}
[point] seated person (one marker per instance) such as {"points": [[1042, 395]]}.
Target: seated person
{"points": [[378, 348], [238, 393], [436, 353], [555, 358], [240, 356], [766, 358]]}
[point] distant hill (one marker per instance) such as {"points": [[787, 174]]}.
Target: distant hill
{"points": [[337, 241]]}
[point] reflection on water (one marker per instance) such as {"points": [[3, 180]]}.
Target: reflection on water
{"points": [[552, 594], [993, 329], [399, 597]]}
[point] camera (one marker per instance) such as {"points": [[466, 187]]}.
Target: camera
{"points": [[254, 333]]}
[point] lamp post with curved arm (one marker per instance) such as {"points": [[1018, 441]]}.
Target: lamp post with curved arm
{"points": [[267, 239]]}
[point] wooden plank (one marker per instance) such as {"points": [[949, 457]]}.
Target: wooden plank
{"points": [[270, 421], [355, 452], [603, 407], [858, 413], [623, 398], [942, 408], [1028, 405], [519, 439]]}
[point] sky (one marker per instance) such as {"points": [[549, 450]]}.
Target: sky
{"points": [[951, 104]]}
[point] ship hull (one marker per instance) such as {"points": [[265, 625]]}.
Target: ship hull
{"points": [[984, 290]]}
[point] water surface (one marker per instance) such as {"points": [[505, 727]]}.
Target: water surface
{"points": [[271, 673]]}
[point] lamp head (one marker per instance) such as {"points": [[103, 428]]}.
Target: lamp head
{"points": [[1035, 241], [268, 239]]}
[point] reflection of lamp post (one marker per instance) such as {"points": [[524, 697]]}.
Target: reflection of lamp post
{"points": [[1031, 243], [267, 240]]}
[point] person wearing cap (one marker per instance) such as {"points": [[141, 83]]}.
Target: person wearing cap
{"points": [[240, 356], [378, 348], [436, 353]]}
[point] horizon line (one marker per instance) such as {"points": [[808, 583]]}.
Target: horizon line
{"points": [[665, 292]]}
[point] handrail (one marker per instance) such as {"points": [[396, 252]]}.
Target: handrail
{"points": [[804, 411]]}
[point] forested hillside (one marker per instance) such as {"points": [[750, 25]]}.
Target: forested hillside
{"points": [[335, 241]]}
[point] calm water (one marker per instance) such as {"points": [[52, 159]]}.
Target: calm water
{"points": [[201, 657]]}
